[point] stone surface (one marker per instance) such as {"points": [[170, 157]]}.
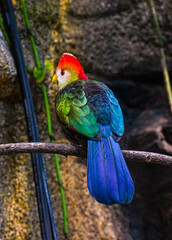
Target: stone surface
{"points": [[8, 85], [19, 213], [117, 39], [116, 42]]}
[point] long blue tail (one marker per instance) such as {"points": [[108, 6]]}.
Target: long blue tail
{"points": [[108, 177]]}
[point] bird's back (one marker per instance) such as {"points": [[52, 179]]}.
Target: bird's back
{"points": [[93, 101]]}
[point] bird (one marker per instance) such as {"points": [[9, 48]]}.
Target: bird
{"points": [[90, 114]]}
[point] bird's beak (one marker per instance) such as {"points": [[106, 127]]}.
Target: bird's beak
{"points": [[55, 78]]}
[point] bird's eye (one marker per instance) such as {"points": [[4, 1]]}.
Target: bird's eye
{"points": [[62, 72]]}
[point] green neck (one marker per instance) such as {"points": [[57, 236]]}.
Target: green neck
{"points": [[73, 77]]}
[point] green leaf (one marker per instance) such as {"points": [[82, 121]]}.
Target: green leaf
{"points": [[29, 69], [39, 74], [49, 65]]}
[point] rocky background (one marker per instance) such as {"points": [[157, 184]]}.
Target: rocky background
{"points": [[116, 43]]}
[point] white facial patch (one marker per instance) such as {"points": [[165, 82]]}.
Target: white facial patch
{"points": [[63, 77]]}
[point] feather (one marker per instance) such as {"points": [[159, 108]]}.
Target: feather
{"points": [[89, 108], [108, 177]]}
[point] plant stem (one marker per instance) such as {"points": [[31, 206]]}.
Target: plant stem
{"points": [[163, 57], [35, 52], [55, 158], [166, 78], [29, 69], [4, 31], [49, 124], [44, 91], [65, 227]]}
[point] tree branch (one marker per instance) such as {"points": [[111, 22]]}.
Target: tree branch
{"points": [[67, 149]]}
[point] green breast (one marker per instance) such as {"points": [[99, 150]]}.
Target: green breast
{"points": [[73, 110]]}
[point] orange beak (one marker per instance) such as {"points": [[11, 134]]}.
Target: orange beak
{"points": [[55, 78]]}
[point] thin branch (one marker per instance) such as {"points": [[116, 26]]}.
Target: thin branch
{"points": [[37, 147], [67, 149], [147, 157]]}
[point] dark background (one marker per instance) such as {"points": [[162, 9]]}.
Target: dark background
{"points": [[116, 43]]}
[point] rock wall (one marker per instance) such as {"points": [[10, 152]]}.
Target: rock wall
{"points": [[116, 43], [8, 72]]}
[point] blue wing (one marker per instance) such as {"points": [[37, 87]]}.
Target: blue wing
{"points": [[117, 121]]}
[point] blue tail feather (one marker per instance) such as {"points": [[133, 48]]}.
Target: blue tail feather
{"points": [[108, 177]]}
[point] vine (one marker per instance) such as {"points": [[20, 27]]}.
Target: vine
{"points": [[163, 57], [39, 73], [4, 31]]}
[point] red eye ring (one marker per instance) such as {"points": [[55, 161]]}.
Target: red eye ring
{"points": [[62, 72]]}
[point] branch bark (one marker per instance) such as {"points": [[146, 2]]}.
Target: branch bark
{"points": [[67, 149]]}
